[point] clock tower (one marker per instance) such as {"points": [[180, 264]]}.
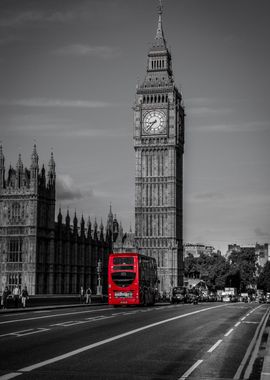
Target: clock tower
{"points": [[159, 147]]}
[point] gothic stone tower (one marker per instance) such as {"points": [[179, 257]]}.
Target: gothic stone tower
{"points": [[159, 147], [27, 208]]}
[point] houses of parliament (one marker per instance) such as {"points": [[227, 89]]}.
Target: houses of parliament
{"points": [[48, 256], [57, 257]]}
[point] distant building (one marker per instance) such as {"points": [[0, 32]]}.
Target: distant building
{"points": [[261, 252], [125, 242], [48, 257], [198, 249]]}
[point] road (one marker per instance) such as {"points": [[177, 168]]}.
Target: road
{"points": [[205, 341]]}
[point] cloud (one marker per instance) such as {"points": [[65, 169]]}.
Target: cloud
{"points": [[65, 188], [105, 52], [19, 19], [206, 106], [43, 102], [252, 126], [209, 196], [261, 234]]}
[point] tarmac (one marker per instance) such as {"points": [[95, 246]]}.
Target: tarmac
{"points": [[263, 354]]}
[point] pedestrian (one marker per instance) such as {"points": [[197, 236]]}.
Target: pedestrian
{"points": [[5, 295], [25, 296], [16, 295], [88, 295], [81, 295]]}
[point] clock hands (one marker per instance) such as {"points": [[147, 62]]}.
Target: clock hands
{"points": [[150, 124]]}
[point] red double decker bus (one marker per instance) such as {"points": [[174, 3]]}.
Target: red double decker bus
{"points": [[132, 279]]}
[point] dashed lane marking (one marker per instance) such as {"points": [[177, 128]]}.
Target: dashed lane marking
{"points": [[215, 346], [191, 369], [229, 332]]}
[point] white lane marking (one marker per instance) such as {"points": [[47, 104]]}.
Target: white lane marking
{"points": [[10, 375], [229, 332], [51, 316], [108, 340], [237, 324], [16, 332], [190, 370], [25, 332], [215, 346], [42, 311], [32, 332], [68, 323], [255, 323], [242, 319], [87, 320]]}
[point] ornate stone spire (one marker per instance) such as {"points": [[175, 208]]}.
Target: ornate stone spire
{"points": [[19, 171], [34, 158], [2, 158], [51, 170], [2, 167], [89, 228], [160, 39], [34, 169]]}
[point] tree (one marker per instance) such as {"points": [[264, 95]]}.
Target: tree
{"points": [[264, 278], [212, 268], [243, 262]]}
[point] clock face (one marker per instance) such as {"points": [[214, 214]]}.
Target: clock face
{"points": [[154, 122]]}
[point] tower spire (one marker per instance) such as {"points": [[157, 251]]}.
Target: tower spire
{"points": [[160, 39]]}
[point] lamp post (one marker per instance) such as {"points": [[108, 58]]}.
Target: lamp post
{"points": [[99, 286]]}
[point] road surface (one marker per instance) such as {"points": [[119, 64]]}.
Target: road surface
{"points": [[174, 342]]}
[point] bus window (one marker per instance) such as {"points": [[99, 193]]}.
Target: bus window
{"points": [[123, 278]]}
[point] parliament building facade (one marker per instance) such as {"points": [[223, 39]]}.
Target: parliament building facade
{"points": [[48, 257]]}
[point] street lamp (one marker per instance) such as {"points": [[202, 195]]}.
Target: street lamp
{"points": [[99, 286]]}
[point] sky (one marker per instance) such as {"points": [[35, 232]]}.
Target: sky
{"points": [[68, 76]]}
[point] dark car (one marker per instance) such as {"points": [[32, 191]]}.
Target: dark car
{"points": [[179, 294], [233, 298], [193, 298]]}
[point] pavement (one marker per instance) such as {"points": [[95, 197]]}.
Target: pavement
{"points": [[265, 371]]}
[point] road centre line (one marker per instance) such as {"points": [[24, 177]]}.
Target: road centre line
{"points": [[229, 332], [215, 346], [237, 324], [190, 370], [100, 343], [51, 316]]}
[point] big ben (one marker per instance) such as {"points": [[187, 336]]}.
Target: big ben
{"points": [[159, 147]]}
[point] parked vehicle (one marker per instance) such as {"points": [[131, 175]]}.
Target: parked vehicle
{"points": [[233, 298], [179, 294], [193, 298], [226, 298]]}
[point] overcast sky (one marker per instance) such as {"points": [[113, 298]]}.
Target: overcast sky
{"points": [[68, 75]]}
